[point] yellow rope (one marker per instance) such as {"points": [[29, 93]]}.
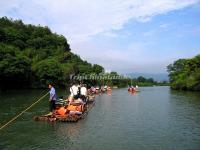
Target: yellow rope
{"points": [[14, 118]]}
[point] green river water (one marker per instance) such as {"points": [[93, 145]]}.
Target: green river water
{"points": [[154, 119]]}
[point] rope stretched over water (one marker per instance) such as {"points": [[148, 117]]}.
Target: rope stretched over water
{"points": [[14, 118]]}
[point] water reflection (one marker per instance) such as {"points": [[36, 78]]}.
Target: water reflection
{"points": [[71, 130]]}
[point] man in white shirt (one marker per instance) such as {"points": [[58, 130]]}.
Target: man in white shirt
{"points": [[83, 92], [74, 92]]}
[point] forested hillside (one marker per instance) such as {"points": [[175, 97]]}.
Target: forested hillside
{"points": [[31, 56]]}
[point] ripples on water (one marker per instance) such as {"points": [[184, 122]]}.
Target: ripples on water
{"points": [[155, 118]]}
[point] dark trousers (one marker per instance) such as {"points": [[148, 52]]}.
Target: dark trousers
{"points": [[76, 96], [83, 97], [52, 105]]}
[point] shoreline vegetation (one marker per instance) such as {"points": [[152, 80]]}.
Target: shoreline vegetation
{"points": [[184, 74], [32, 56]]}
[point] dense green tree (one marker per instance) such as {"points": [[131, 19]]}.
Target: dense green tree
{"points": [[150, 80], [14, 67], [185, 74], [98, 69], [141, 79], [47, 70]]}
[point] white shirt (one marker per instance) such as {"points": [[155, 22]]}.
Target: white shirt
{"points": [[74, 90], [83, 91]]}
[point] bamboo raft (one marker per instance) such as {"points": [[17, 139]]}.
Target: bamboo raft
{"points": [[67, 117]]}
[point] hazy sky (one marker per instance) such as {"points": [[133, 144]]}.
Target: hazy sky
{"points": [[122, 35]]}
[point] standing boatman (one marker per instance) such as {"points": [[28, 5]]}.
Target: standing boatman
{"points": [[52, 99]]}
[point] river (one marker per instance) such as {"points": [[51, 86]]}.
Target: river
{"points": [[154, 119]]}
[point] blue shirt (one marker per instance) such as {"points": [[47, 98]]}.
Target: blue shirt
{"points": [[52, 93]]}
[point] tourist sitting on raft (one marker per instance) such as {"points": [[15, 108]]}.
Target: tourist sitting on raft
{"points": [[83, 92], [74, 92], [109, 89], [78, 93], [93, 90], [103, 89]]}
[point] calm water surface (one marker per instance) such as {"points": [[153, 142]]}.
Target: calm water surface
{"points": [[153, 119]]}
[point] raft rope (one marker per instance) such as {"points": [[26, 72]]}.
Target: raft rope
{"points": [[14, 118]]}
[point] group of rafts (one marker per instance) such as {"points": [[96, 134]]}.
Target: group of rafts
{"points": [[133, 89], [72, 110]]}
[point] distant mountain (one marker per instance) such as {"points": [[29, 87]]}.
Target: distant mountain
{"points": [[156, 77]]}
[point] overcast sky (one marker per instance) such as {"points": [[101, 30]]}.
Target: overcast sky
{"points": [[121, 35]]}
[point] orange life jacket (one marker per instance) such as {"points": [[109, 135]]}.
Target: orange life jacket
{"points": [[75, 108], [61, 111]]}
